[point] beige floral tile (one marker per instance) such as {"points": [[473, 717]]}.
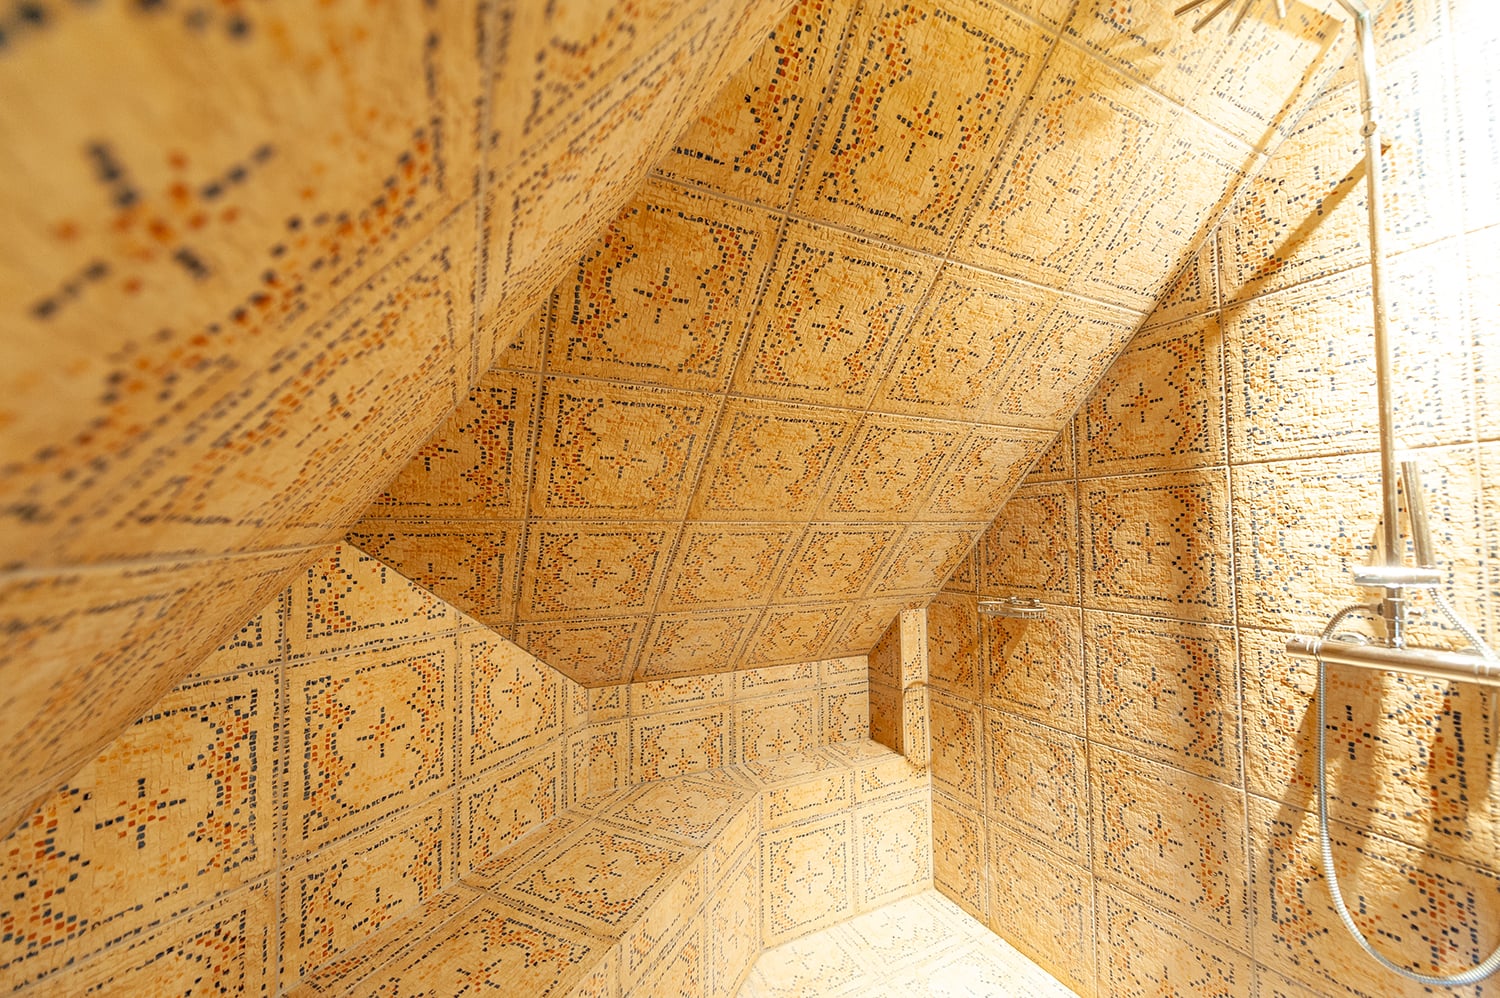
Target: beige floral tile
{"points": [[1159, 544]]}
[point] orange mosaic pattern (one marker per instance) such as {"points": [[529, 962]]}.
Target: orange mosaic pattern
{"points": [[1149, 745], [798, 371], [346, 756], [255, 257]]}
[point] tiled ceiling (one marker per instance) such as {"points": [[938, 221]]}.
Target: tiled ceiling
{"points": [[253, 255], [783, 392]]}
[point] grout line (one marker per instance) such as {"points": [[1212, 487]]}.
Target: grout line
{"points": [[889, 245]]}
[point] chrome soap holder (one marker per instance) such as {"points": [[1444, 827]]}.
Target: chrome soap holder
{"points": [[1017, 607]]}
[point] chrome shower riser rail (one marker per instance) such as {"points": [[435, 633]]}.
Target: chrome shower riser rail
{"points": [[1429, 662]]}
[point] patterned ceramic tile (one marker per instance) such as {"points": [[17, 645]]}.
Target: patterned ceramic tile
{"points": [[924, 95], [982, 471], [581, 568], [818, 964], [145, 222], [890, 467], [341, 895], [258, 644], [1299, 378], [809, 877], [835, 560], [1194, 291], [867, 620], [956, 749], [847, 669], [1079, 152], [895, 849], [1133, 265], [677, 742], [793, 634], [1164, 690], [1171, 56], [504, 804], [683, 970], [1483, 272], [1029, 550], [652, 696], [1304, 217], [552, 65], [925, 556], [694, 643], [843, 713], [964, 577], [1059, 462], [1034, 668], [953, 645], [490, 945], [475, 464], [1270, 984], [1176, 839], [231, 943], [750, 140], [472, 565], [965, 343], [542, 208], [1159, 406], [1044, 906], [367, 734], [835, 305], [602, 752], [770, 461], [664, 293], [774, 726], [1047, 389], [1302, 528], [347, 600], [696, 811], [1405, 754], [620, 451], [177, 810], [1143, 952], [1159, 544], [650, 940], [1037, 784], [820, 795], [726, 564], [733, 917], [512, 701], [592, 652], [1476, 42], [781, 679], [1298, 933], [958, 864], [520, 344], [600, 877]]}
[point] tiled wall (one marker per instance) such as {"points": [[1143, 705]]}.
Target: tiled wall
{"points": [[253, 258], [898, 693], [783, 391], [354, 749], [1125, 789], [669, 727]]}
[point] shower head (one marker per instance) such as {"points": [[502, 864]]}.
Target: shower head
{"points": [[1220, 7]]}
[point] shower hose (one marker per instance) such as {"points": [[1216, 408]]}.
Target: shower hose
{"points": [[1490, 963]]}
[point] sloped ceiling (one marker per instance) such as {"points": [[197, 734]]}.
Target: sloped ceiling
{"points": [[253, 256], [787, 387]]}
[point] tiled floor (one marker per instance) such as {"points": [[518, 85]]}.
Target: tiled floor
{"points": [[924, 945]]}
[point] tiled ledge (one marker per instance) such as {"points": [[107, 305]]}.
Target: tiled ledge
{"points": [[667, 888]]}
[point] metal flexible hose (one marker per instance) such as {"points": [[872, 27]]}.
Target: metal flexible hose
{"points": [[1489, 964]]}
